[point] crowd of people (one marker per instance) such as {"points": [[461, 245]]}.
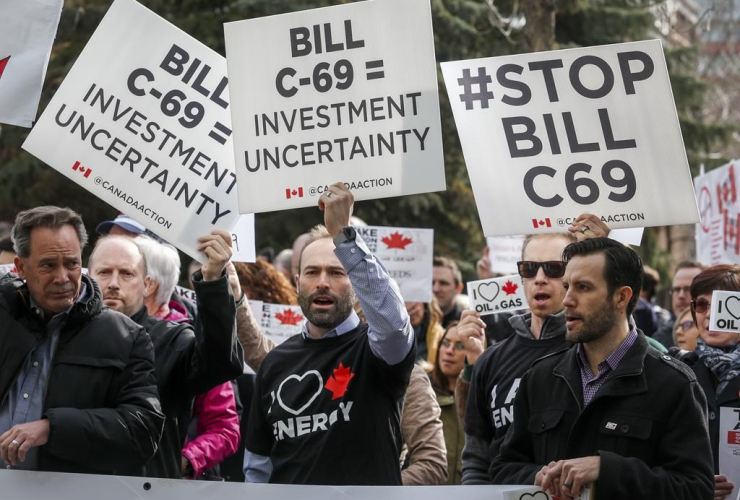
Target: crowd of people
{"points": [[114, 371]]}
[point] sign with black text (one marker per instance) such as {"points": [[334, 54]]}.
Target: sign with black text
{"points": [[407, 254], [497, 295], [142, 121], [729, 444], [345, 93], [725, 315], [550, 135]]}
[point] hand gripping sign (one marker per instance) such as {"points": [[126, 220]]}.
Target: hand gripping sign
{"points": [[345, 93], [142, 121], [553, 134]]}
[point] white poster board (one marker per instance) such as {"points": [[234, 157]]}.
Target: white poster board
{"points": [[407, 254], [345, 93], [242, 240], [280, 322], [504, 252], [729, 444], [549, 135], [725, 315], [142, 121], [718, 233], [497, 295], [26, 38]]}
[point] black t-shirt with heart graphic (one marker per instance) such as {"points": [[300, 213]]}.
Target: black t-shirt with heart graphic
{"points": [[328, 412]]}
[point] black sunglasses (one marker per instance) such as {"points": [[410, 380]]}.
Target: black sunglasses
{"points": [[552, 268], [700, 305]]}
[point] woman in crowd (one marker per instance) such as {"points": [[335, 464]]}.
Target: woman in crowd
{"points": [[426, 319], [685, 332], [716, 358]]}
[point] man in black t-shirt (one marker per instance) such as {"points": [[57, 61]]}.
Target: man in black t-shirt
{"points": [[327, 402]]}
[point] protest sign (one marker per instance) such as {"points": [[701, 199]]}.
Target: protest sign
{"points": [[497, 295], [725, 315], [280, 322], [345, 93], [242, 240], [504, 252], [536, 493], [718, 233], [729, 444], [407, 254], [20, 484], [26, 38], [549, 135], [149, 134]]}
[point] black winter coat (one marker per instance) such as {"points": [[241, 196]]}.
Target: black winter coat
{"points": [[101, 399], [190, 361], [647, 423]]}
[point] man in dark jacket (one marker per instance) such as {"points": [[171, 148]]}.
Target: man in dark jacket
{"points": [[77, 381], [187, 361], [612, 411]]}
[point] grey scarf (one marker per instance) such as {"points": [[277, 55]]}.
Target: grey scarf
{"points": [[723, 362]]}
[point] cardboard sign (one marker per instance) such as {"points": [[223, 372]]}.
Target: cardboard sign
{"points": [[26, 37], [242, 240], [407, 254], [549, 135], [718, 233], [280, 322], [497, 295], [345, 93], [142, 121], [725, 316], [729, 444]]}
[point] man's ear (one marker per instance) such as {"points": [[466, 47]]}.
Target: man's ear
{"points": [[622, 297], [150, 287], [20, 267], [459, 287], [297, 284]]}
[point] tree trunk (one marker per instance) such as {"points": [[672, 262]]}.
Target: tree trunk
{"points": [[540, 27]]}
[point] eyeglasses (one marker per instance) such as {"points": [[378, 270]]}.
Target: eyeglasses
{"points": [[685, 325], [459, 346], [700, 305], [678, 289], [552, 268]]}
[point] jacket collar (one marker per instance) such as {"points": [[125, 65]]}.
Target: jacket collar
{"points": [[627, 379], [553, 326], [82, 311]]}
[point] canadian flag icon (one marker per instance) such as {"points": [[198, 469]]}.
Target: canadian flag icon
{"points": [[290, 193], [541, 222], [84, 171]]}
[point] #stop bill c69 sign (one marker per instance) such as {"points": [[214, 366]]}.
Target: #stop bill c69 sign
{"points": [[550, 135], [339, 94]]}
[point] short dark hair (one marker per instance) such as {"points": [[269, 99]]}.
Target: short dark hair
{"points": [[721, 277], [623, 265], [451, 265], [689, 264], [47, 216]]}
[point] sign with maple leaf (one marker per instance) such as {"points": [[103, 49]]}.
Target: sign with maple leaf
{"points": [[497, 295], [339, 381], [26, 38], [407, 254], [289, 317]]}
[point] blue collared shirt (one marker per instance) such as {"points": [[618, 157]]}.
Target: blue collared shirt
{"points": [[591, 383], [25, 401]]}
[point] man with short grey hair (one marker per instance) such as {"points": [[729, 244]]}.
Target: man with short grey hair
{"points": [[77, 379]]}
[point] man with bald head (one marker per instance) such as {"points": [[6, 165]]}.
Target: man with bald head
{"points": [[187, 361]]}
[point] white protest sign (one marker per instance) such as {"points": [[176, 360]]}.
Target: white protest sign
{"points": [[407, 254], [536, 493], [242, 240], [345, 93], [142, 122], [497, 295], [26, 37], [280, 322], [549, 135], [729, 444], [725, 316], [186, 292], [504, 252], [718, 233]]}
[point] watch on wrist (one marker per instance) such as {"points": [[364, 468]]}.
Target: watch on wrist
{"points": [[346, 234]]}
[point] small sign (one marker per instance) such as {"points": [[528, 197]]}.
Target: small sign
{"points": [[280, 322], [242, 240], [497, 295], [725, 315], [729, 444]]}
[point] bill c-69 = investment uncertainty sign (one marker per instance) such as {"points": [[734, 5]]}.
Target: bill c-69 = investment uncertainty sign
{"points": [[338, 94], [550, 135]]}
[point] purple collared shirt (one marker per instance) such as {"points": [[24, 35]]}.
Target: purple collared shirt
{"points": [[590, 382]]}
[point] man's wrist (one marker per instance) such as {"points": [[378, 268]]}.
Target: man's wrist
{"points": [[345, 234]]}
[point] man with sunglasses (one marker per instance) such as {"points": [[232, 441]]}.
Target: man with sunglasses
{"points": [[612, 411], [497, 372]]}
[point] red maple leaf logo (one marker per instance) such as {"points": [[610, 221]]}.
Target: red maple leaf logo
{"points": [[3, 63], [339, 381], [289, 317], [397, 240], [509, 288]]}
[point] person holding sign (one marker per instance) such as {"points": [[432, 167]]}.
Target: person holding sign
{"points": [[79, 393], [327, 403], [716, 359], [188, 360], [612, 411]]}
